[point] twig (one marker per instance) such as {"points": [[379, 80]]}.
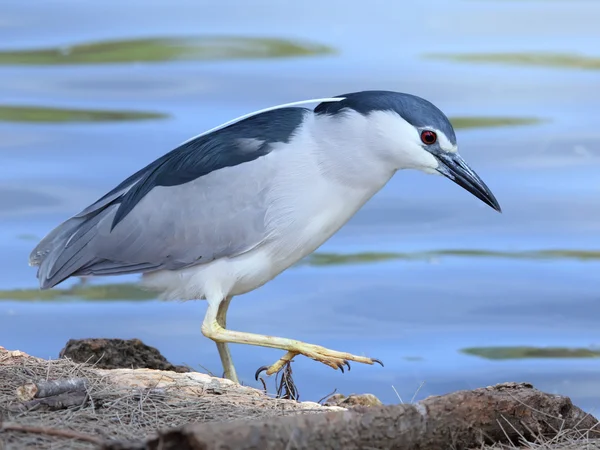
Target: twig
{"points": [[398, 395], [508, 439], [517, 432], [43, 389], [68, 434], [412, 400], [287, 388], [208, 372], [327, 396], [264, 384], [55, 403]]}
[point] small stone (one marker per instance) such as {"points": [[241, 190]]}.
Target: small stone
{"points": [[26, 392], [352, 400], [334, 400]]}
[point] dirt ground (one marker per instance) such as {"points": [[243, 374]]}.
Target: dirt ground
{"points": [[126, 404], [130, 405]]}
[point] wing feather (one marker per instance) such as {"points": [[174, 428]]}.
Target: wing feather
{"points": [[202, 201]]}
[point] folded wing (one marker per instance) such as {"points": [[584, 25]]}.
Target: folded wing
{"points": [[204, 200]]}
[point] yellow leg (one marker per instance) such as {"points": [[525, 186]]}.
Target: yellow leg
{"points": [[212, 329], [226, 360]]}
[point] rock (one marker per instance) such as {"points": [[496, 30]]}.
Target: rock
{"points": [[352, 400], [117, 354]]}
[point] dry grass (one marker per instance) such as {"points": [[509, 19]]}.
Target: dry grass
{"points": [[126, 411], [121, 412], [564, 439]]}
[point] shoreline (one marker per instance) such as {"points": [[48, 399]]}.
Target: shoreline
{"points": [[46, 403]]}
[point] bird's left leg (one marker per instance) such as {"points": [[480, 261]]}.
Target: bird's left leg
{"points": [[213, 330], [224, 353]]}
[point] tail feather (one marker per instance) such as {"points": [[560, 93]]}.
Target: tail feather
{"points": [[64, 251], [106, 267], [48, 243]]}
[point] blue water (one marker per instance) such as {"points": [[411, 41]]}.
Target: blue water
{"points": [[414, 315]]}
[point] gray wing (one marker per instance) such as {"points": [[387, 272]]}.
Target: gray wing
{"points": [[204, 200]]}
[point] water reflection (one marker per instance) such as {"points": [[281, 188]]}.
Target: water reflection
{"points": [[164, 49], [524, 352], [61, 115], [328, 259], [131, 291], [466, 122], [81, 291], [44, 114], [547, 59]]}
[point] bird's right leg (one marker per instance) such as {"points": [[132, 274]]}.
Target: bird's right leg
{"points": [[335, 359], [223, 347]]}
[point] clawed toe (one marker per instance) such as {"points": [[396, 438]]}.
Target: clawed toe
{"points": [[258, 372], [334, 363], [344, 363]]}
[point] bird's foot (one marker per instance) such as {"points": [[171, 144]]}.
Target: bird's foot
{"points": [[332, 358]]}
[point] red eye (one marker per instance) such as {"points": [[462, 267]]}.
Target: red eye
{"points": [[428, 137]]}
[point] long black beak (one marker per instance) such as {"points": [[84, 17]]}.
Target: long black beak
{"points": [[455, 168]]}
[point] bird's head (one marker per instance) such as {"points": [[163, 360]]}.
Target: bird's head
{"points": [[414, 134]]}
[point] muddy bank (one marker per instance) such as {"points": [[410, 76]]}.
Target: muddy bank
{"points": [[67, 404]]}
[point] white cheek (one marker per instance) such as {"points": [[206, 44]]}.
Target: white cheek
{"points": [[400, 140], [402, 144], [430, 171], [424, 161]]}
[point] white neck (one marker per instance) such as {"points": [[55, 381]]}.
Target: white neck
{"points": [[348, 151]]}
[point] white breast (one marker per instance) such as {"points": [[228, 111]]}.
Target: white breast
{"points": [[312, 209]]}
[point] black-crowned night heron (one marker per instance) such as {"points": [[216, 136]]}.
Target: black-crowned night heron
{"points": [[230, 209]]}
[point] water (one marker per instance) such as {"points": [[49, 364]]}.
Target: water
{"points": [[423, 272]]}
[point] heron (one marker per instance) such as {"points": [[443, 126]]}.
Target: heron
{"points": [[230, 209]]}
